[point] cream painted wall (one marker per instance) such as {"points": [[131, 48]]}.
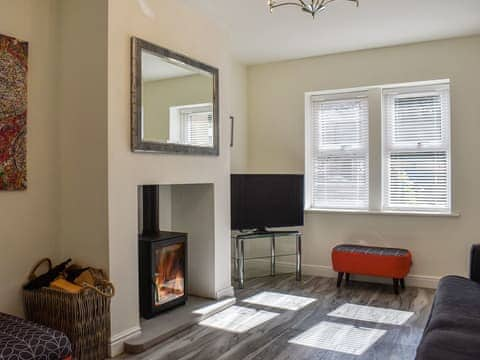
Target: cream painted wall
{"points": [[239, 151], [276, 143], [183, 30], [28, 219], [82, 194], [160, 95], [82, 117]]}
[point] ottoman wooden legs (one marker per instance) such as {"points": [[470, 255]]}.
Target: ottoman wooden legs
{"points": [[397, 283], [339, 279]]}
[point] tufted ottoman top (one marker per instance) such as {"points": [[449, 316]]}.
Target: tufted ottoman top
{"points": [[371, 250], [25, 340]]}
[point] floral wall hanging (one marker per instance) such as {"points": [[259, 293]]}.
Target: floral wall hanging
{"points": [[13, 113]]}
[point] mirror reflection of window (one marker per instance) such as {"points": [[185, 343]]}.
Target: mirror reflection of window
{"points": [[192, 124]]}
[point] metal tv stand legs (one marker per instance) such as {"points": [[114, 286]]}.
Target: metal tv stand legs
{"points": [[240, 252]]}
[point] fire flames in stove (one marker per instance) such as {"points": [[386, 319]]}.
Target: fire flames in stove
{"points": [[169, 273]]}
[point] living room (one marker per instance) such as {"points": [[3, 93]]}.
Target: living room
{"points": [[366, 110]]}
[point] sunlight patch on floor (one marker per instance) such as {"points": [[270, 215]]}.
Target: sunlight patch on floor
{"points": [[238, 319], [342, 338], [372, 314], [279, 300]]}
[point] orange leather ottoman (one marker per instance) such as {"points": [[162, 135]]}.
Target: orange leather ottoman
{"points": [[372, 261]]}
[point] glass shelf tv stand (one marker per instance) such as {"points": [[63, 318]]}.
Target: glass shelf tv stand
{"points": [[239, 258]]}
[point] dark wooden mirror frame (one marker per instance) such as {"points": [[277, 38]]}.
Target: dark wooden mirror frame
{"points": [[138, 144]]}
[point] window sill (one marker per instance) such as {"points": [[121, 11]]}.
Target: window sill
{"points": [[379, 212]]}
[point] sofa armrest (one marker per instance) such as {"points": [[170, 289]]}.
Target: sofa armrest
{"points": [[475, 263]]}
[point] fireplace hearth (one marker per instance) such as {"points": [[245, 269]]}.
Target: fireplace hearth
{"points": [[162, 261]]}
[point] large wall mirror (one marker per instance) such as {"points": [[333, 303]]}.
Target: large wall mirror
{"points": [[174, 102]]}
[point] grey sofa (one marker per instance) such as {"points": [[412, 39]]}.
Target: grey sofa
{"points": [[453, 329]]}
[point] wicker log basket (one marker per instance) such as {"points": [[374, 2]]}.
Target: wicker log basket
{"points": [[83, 317]]}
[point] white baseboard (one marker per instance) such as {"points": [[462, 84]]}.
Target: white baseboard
{"points": [[425, 281], [226, 292], [318, 270], [117, 340]]}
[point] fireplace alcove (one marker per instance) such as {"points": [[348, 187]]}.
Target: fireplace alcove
{"points": [[167, 213], [181, 209]]}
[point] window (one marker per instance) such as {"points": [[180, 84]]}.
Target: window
{"points": [[339, 151], [416, 149], [379, 149]]}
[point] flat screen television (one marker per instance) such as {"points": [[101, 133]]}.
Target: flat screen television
{"points": [[261, 201]]}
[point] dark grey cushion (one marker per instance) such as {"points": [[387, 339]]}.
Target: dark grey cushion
{"points": [[24, 340], [453, 330], [370, 250]]}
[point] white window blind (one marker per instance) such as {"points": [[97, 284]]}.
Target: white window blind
{"points": [[339, 151], [191, 124], [199, 128], [416, 159]]}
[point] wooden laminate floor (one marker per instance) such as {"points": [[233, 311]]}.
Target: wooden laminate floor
{"points": [[270, 340]]}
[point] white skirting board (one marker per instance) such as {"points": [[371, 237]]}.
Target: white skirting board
{"points": [[117, 340], [424, 281], [226, 292]]}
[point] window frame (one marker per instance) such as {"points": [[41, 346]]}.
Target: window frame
{"points": [[363, 150], [376, 153], [443, 146]]}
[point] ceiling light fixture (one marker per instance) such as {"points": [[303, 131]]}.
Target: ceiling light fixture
{"points": [[146, 9], [310, 6]]}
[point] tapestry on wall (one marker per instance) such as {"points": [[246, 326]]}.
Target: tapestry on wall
{"points": [[13, 113]]}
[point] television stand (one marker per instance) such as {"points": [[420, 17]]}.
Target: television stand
{"points": [[265, 231], [260, 231], [239, 251]]}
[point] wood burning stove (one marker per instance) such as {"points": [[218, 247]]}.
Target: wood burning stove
{"points": [[162, 261], [162, 272]]}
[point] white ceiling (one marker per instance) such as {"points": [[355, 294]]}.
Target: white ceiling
{"points": [[257, 36], [156, 68]]}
